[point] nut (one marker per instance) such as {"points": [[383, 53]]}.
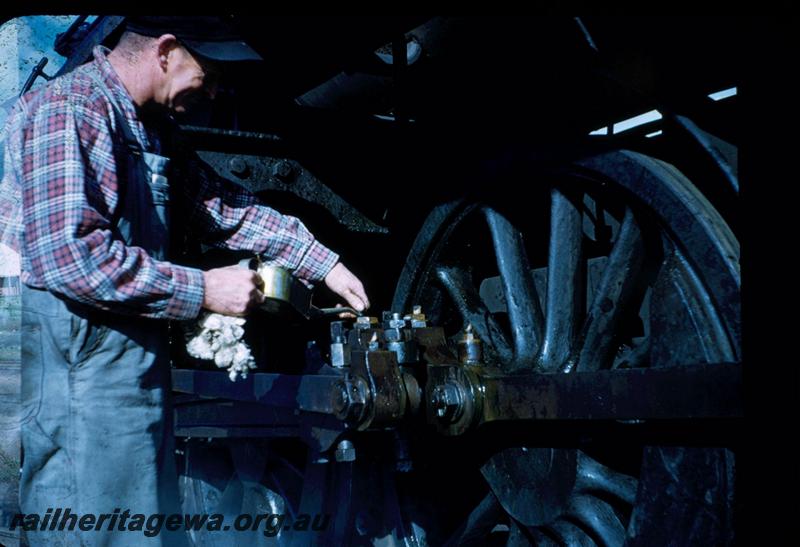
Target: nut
{"points": [[349, 399], [345, 452], [283, 170], [239, 167], [446, 401]]}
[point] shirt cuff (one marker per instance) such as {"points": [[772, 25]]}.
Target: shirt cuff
{"points": [[316, 263], [187, 299]]}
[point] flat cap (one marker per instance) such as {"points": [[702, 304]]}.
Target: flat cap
{"points": [[215, 38]]}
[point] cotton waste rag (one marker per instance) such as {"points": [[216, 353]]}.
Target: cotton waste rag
{"points": [[218, 338]]}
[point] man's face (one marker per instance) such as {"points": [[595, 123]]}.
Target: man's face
{"points": [[188, 80]]}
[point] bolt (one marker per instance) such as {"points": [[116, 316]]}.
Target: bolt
{"points": [[446, 401], [345, 452], [437, 401], [283, 170], [417, 318], [393, 320], [374, 344], [339, 358], [469, 347], [340, 399], [365, 322], [239, 167], [349, 399]]}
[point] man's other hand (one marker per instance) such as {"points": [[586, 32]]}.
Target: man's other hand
{"points": [[341, 281], [232, 290]]}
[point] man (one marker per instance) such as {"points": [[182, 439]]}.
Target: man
{"points": [[98, 286]]}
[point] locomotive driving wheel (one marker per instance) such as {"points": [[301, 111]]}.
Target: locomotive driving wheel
{"points": [[616, 262]]}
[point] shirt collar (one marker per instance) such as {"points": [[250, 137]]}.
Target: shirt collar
{"points": [[113, 82]]}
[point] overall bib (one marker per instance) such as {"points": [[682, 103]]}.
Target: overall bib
{"points": [[96, 422]]}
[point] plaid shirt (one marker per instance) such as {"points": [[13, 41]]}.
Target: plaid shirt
{"points": [[60, 176]]}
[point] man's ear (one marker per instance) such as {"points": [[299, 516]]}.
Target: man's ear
{"points": [[164, 45]]}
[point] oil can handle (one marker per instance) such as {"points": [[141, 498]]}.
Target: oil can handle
{"points": [[325, 312]]}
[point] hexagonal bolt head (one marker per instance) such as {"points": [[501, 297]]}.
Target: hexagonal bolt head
{"points": [[239, 167], [365, 322], [393, 320], [349, 399], [396, 323], [283, 170], [446, 401], [416, 318], [345, 452]]}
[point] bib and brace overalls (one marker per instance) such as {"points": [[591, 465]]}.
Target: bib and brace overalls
{"points": [[97, 425]]}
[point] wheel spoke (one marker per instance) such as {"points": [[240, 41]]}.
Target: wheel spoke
{"points": [[520, 536], [479, 523], [524, 311], [613, 295], [459, 286], [593, 476], [569, 534], [563, 281], [541, 540], [599, 518]]}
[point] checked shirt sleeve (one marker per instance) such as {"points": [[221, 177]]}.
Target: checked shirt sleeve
{"points": [[69, 192], [10, 197], [230, 217]]}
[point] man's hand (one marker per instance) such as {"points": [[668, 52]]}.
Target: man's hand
{"points": [[341, 281], [232, 290]]}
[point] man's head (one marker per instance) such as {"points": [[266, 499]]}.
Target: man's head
{"points": [[176, 61]]}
